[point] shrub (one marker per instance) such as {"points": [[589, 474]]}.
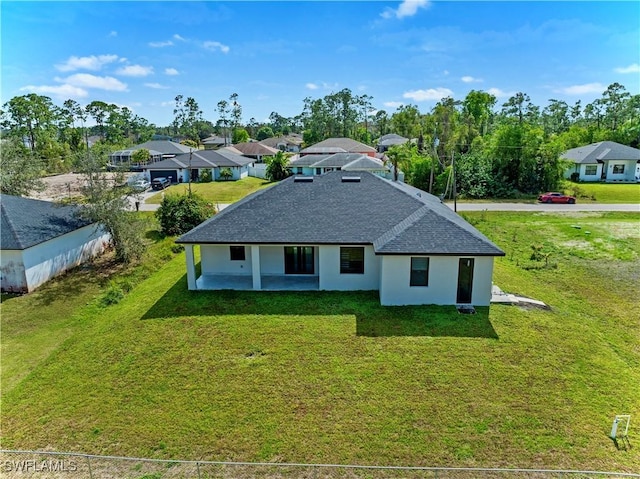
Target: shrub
{"points": [[277, 167], [575, 176], [205, 176], [226, 174], [178, 214], [113, 295]]}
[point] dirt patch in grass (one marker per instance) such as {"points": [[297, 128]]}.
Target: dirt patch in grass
{"points": [[64, 186]]}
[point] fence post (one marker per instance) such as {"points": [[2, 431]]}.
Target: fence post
{"points": [[89, 464], [198, 469]]}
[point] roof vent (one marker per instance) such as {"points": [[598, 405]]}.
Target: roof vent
{"points": [[303, 179], [351, 179]]}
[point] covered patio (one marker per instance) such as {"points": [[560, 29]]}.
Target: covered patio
{"points": [[268, 282]]}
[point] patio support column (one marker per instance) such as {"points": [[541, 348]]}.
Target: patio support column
{"points": [[191, 267], [255, 267]]}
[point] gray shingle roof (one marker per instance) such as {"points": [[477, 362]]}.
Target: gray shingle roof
{"points": [[255, 149], [338, 145], [217, 140], [165, 147], [392, 139], [365, 163], [202, 159], [274, 141], [388, 215], [346, 161], [307, 160], [27, 222], [601, 151]]}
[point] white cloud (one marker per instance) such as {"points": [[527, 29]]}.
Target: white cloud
{"points": [[393, 104], [498, 93], [323, 85], [113, 33], [178, 37], [407, 8], [582, 89], [171, 71], [430, 94], [135, 71], [92, 62], [61, 91], [157, 86], [167, 103], [168, 43], [86, 80], [213, 46], [633, 68], [470, 79]]}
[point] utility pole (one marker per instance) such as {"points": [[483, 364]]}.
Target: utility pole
{"points": [[455, 191], [190, 156], [436, 142]]}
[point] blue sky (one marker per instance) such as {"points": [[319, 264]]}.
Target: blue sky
{"points": [[274, 54]]}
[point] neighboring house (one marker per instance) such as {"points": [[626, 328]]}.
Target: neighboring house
{"points": [[215, 141], [338, 145], [255, 150], [177, 169], [342, 231], [321, 164], [158, 150], [39, 240], [387, 141], [289, 143], [604, 161]]}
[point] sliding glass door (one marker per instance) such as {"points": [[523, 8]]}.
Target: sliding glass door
{"points": [[298, 260]]}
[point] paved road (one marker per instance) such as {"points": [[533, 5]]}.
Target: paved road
{"points": [[545, 207], [479, 206]]}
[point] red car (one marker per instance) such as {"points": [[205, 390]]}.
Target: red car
{"points": [[556, 198]]}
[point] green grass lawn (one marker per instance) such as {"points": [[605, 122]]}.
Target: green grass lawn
{"points": [[584, 192], [216, 191], [604, 192], [335, 377]]}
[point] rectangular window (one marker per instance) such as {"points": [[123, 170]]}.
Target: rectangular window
{"points": [[419, 272], [237, 253], [352, 260], [298, 260], [618, 169], [590, 170]]}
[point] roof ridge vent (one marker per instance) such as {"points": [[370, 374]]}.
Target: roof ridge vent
{"points": [[303, 179], [351, 179]]}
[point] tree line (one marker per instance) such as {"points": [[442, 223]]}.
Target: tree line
{"points": [[499, 150]]}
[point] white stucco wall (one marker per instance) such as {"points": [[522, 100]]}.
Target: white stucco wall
{"points": [[629, 170], [388, 273], [443, 281], [12, 277], [331, 279], [46, 260], [581, 169], [216, 259]]}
